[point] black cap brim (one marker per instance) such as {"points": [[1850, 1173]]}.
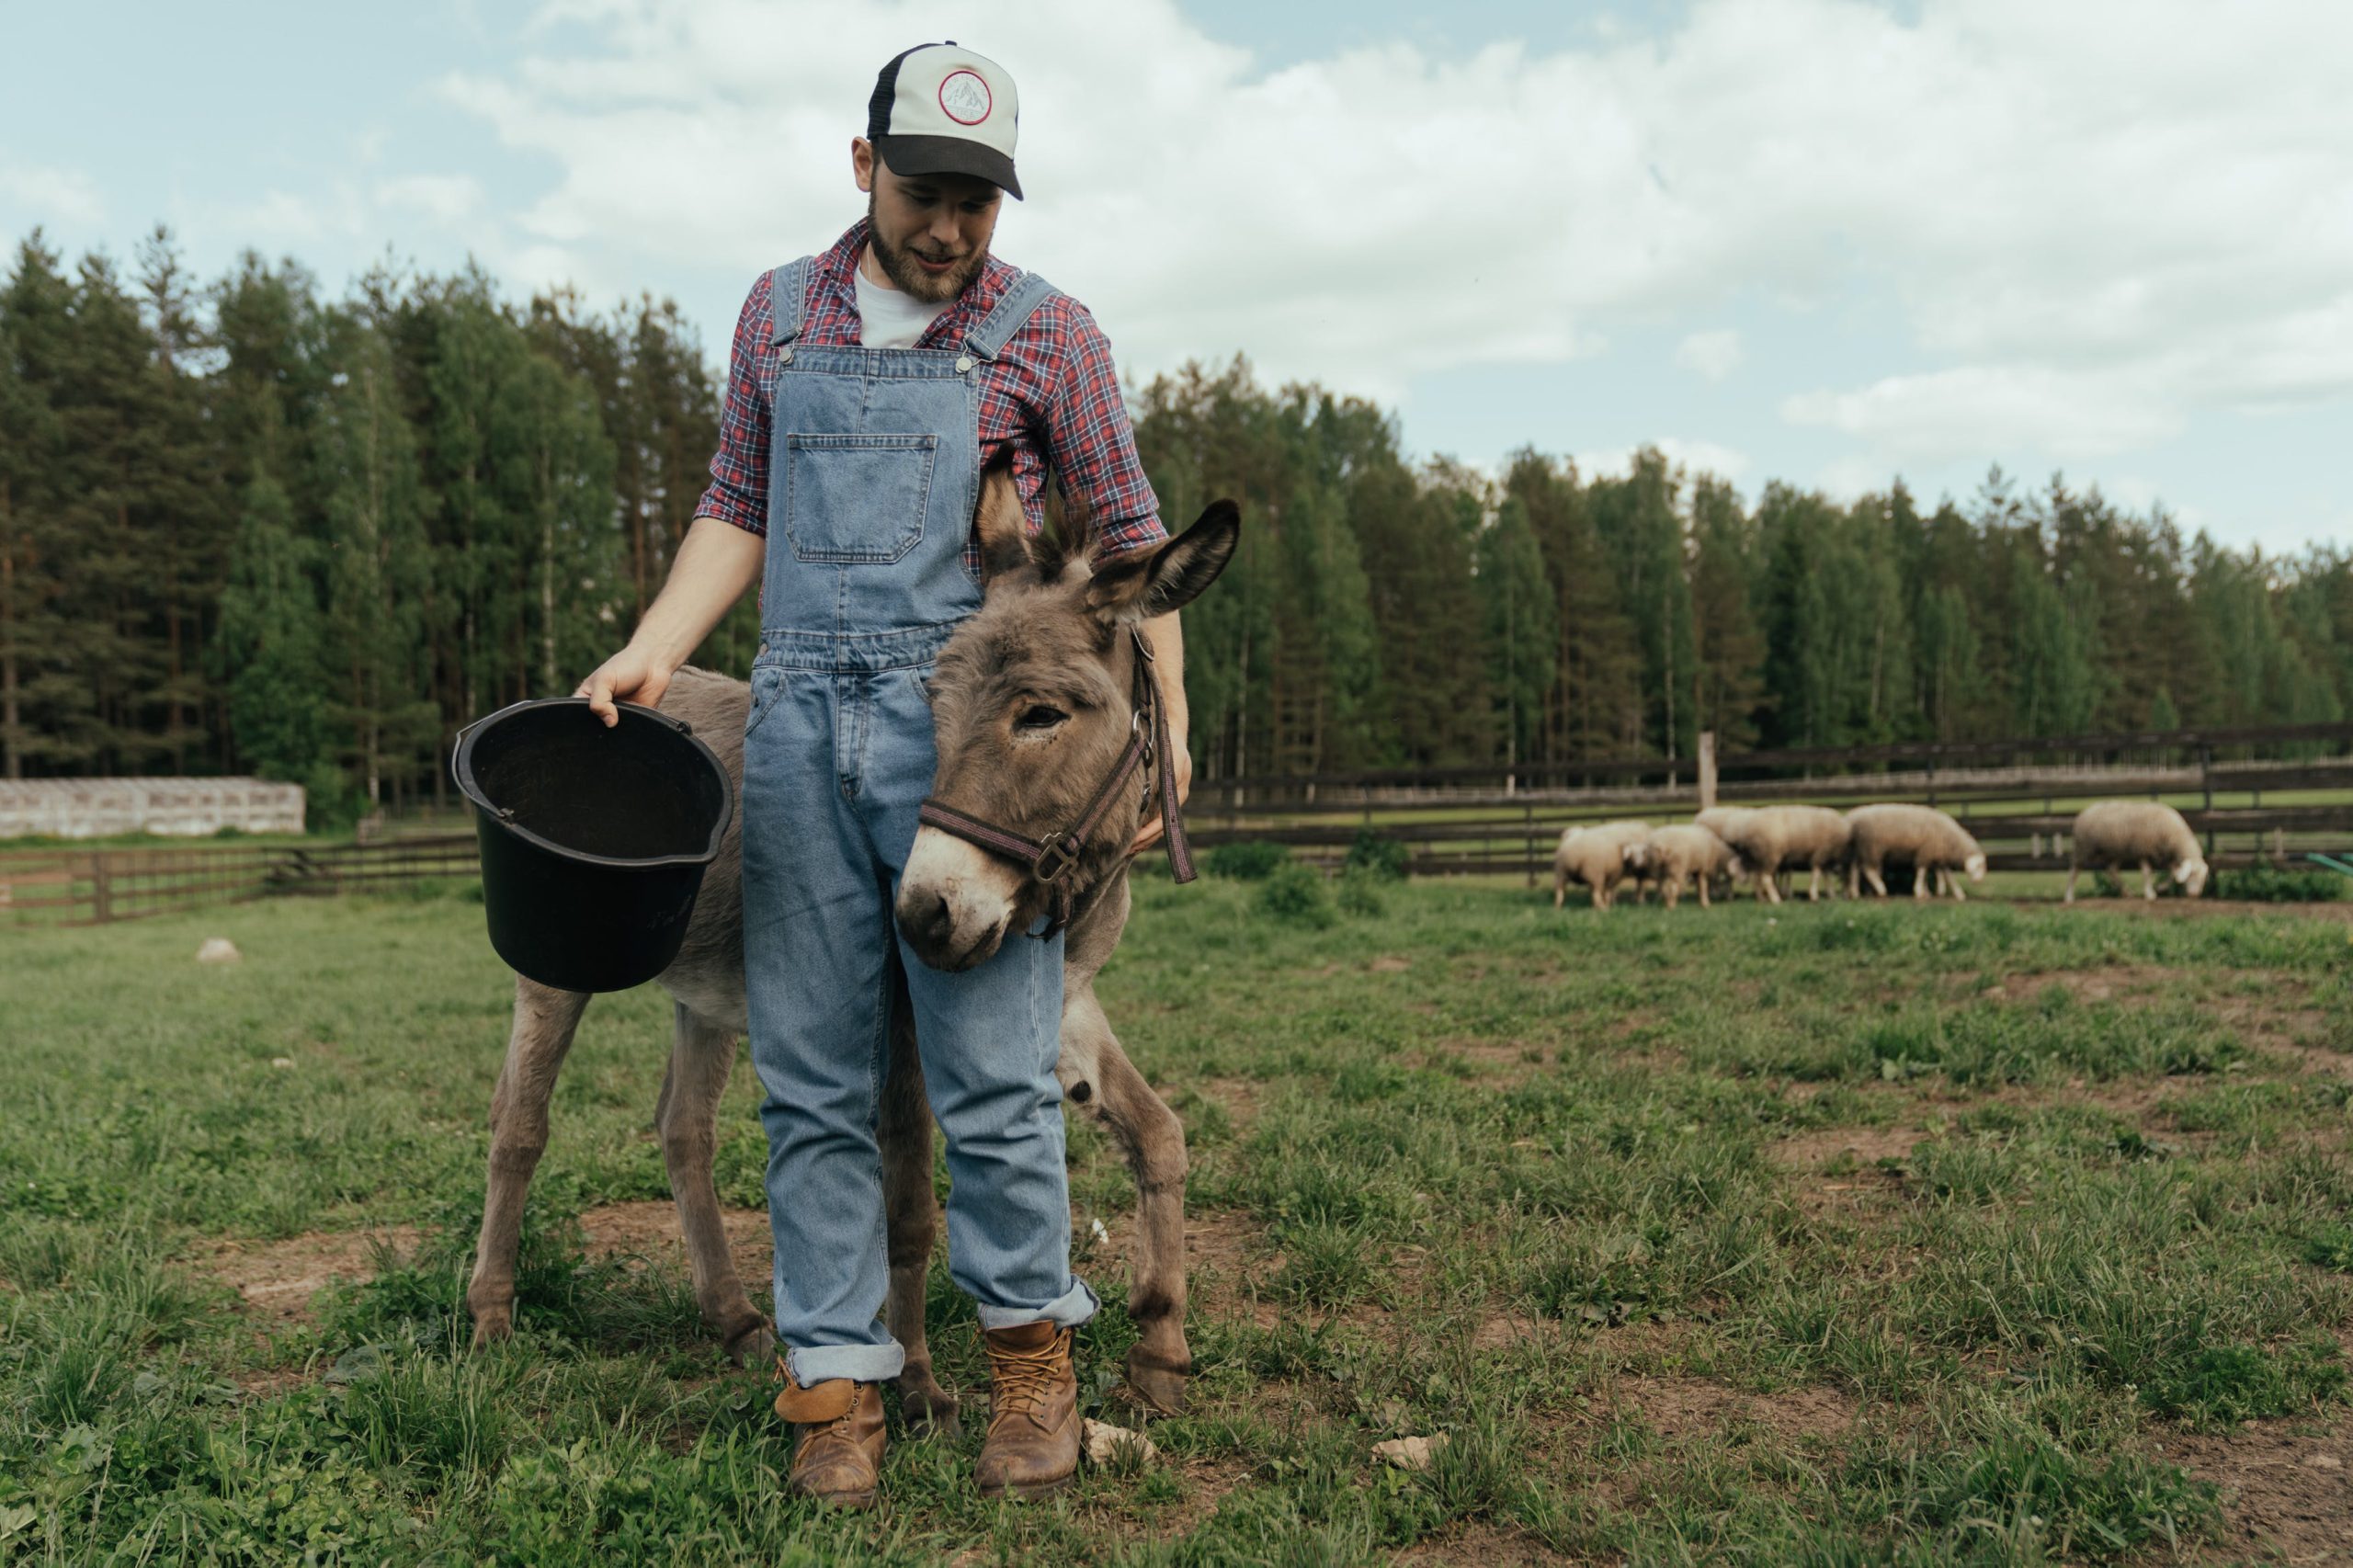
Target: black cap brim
{"points": [[949, 155]]}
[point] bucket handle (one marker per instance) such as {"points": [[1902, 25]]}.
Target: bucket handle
{"points": [[458, 739]]}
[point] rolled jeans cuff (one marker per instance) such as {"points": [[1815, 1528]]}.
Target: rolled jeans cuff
{"points": [[1067, 1310], [859, 1363]]}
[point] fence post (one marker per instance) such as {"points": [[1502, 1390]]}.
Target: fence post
{"points": [[1706, 770], [1527, 820], [2206, 782], [100, 905]]}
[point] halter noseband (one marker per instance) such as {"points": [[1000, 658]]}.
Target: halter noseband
{"points": [[1050, 859]]}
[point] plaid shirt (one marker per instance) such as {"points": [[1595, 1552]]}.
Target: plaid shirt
{"points": [[1052, 393]]}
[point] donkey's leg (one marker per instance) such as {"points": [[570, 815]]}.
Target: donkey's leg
{"points": [[701, 1055], [1096, 1074], [903, 1131], [544, 1021]]}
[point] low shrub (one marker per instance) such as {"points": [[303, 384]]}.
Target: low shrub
{"points": [[1377, 855], [1250, 861], [2281, 884], [1298, 893]]}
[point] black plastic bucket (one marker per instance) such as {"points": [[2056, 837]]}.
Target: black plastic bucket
{"points": [[593, 840]]}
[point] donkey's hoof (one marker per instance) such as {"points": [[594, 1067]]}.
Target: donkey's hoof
{"points": [[493, 1324], [1159, 1389], [753, 1344], [929, 1411]]}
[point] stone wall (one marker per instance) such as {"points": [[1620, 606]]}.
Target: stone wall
{"points": [[90, 808]]}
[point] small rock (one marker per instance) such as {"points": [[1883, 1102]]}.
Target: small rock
{"points": [[1409, 1453], [1104, 1442], [2323, 1461], [219, 950], [281, 1061]]}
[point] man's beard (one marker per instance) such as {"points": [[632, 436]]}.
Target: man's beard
{"points": [[901, 266]]}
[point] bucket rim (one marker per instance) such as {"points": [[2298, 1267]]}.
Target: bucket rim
{"points": [[461, 767]]}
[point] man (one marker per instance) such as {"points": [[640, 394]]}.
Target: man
{"points": [[868, 386]]}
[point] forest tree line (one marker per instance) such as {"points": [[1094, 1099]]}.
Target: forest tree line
{"points": [[248, 529]]}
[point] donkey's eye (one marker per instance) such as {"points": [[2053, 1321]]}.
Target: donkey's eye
{"points": [[1038, 716]]}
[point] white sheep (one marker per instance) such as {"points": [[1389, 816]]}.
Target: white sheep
{"points": [[1930, 841], [1672, 856], [1596, 856], [2117, 834], [1771, 839]]}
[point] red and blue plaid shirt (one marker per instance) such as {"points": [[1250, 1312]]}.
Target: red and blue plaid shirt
{"points": [[1053, 393]]}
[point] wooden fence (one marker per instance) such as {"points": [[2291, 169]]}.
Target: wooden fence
{"points": [[91, 886], [2021, 816], [1453, 820]]}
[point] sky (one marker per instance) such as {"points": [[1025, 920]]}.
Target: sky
{"points": [[1825, 241]]}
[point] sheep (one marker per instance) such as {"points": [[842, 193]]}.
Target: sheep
{"points": [[1770, 838], [1594, 855], [1672, 855], [2117, 834], [1932, 842]]}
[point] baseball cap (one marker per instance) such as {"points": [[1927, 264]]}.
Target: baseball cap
{"points": [[938, 108]]}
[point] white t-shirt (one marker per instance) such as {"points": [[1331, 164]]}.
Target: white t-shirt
{"points": [[892, 318]]}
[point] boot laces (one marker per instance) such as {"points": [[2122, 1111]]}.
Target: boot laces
{"points": [[1020, 1379]]}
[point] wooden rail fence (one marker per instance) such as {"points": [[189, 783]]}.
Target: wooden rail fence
{"points": [[93, 886], [1451, 821]]}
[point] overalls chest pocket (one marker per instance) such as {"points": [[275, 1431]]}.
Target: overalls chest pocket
{"points": [[857, 498]]}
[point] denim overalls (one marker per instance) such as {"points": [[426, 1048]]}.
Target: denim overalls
{"points": [[874, 472]]}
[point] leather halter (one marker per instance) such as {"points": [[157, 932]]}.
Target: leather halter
{"points": [[1050, 859]]}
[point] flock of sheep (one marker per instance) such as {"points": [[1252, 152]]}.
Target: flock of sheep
{"points": [[1725, 844]]}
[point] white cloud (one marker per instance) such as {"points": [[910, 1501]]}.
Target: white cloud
{"points": [[2097, 219], [1714, 355], [52, 195], [447, 200]]}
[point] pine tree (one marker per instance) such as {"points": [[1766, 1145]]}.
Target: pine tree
{"points": [[271, 645], [1522, 624]]}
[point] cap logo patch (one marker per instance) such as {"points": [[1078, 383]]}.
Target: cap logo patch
{"points": [[964, 98]]}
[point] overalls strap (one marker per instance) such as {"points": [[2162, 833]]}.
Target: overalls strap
{"points": [[788, 300], [1012, 313]]}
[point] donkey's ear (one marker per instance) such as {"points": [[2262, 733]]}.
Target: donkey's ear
{"points": [[1150, 583], [999, 522]]}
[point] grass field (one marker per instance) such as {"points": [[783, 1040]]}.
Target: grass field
{"points": [[1827, 1235]]}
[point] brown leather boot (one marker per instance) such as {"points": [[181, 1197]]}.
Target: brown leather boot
{"points": [[838, 1428], [1032, 1448]]}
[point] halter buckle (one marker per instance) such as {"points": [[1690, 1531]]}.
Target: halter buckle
{"points": [[1056, 856]]}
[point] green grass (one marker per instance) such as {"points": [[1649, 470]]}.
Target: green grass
{"points": [[1828, 1234]]}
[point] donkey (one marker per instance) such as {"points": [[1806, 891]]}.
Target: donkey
{"points": [[1035, 700]]}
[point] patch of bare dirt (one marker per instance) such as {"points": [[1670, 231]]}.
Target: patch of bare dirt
{"points": [[1476, 1546], [1693, 1407], [278, 1280], [1512, 1061], [1238, 1098], [1390, 963], [2286, 1491], [1868, 1145], [1226, 1254], [2126, 983], [648, 1231]]}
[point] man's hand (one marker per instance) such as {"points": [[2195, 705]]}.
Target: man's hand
{"points": [[714, 565], [632, 675]]}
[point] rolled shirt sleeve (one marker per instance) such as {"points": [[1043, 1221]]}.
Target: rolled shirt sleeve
{"points": [[1091, 443], [739, 469]]}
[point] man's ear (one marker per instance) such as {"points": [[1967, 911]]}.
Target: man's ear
{"points": [[999, 522], [1149, 583]]}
